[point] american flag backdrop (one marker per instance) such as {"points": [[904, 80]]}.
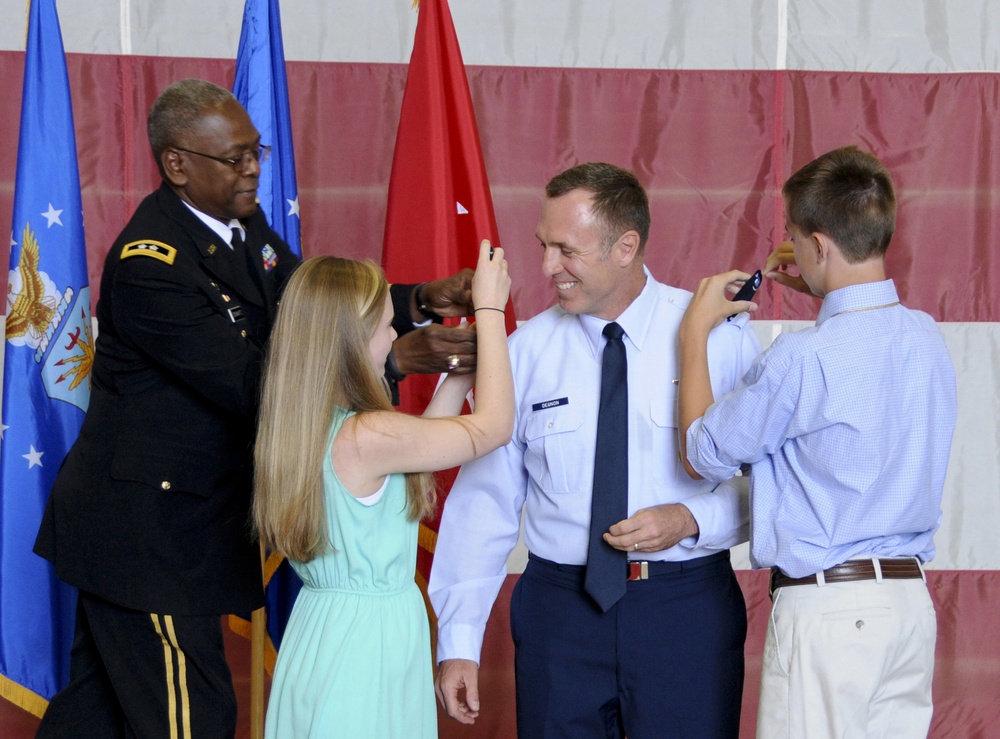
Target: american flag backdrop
{"points": [[712, 103]]}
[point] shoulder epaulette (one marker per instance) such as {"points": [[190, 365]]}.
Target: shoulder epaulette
{"points": [[154, 249]]}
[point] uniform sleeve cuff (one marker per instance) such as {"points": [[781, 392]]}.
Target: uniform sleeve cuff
{"points": [[460, 641]]}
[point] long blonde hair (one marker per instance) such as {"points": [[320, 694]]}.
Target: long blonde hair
{"points": [[317, 359]]}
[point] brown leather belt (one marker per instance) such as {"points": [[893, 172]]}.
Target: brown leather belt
{"points": [[904, 568]]}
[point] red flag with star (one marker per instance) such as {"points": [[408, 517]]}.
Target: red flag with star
{"points": [[439, 206]]}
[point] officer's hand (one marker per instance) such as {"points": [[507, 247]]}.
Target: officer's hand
{"points": [[653, 529], [435, 348], [451, 296], [458, 679]]}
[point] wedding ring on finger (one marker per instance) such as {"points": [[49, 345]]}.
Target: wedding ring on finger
{"points": [[453, 361], [635, 547]]}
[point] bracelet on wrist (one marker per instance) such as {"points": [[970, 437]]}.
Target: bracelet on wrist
{"points": [[418, 296], [488, 307]]}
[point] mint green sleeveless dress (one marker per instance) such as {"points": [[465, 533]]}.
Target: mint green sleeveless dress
{"points": [[355, 659]]}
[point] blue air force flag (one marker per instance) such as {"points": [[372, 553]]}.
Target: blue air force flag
{"points": [[48, 354], [262, 87]]}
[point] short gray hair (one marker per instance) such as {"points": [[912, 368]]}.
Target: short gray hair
{"points": [[178, 108]]}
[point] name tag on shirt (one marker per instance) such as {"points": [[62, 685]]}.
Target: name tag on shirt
{"points": [[549, 404]]}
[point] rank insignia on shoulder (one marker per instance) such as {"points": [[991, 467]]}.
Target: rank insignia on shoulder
{"points": [[154, 249], [270, 257]]}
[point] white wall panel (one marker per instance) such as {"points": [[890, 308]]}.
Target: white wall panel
{"points": [[910, 36], [873, 36]]}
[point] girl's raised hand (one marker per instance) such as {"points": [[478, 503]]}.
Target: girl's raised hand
{"points": [[491, 283]]}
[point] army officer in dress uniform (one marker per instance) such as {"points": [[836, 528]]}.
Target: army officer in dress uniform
{"points": [[149, 514]]}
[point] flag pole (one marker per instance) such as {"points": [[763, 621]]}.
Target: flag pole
{"points": [[258, 632], [261, 86]]}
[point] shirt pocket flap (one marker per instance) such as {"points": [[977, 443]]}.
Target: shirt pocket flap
{"points": [[555, 420]]}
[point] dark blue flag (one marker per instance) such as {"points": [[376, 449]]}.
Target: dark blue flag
{"points": [[262, 88], [48, 354]]}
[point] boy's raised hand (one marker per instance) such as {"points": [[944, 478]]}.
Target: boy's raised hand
{"points": [[710, 305], [778, 262]]}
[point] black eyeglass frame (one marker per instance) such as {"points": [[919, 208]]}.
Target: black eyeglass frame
{"points": [[238, 164]]}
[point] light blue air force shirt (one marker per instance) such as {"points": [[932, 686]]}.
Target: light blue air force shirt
{"points": [[848, 427], [547, 469]]}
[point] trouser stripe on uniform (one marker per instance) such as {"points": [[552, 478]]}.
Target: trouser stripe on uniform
{"points": [[171, 648]]}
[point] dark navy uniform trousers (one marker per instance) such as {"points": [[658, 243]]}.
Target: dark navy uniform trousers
{"points": [[666, 661]]}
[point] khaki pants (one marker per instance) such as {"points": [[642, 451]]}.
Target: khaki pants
{"points": [[850, 660]]}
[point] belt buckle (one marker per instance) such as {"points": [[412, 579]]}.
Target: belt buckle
{"points": [[638, 570]]}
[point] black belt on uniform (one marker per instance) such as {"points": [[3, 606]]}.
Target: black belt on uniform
{"points": [[903, 568], [642, 569]]}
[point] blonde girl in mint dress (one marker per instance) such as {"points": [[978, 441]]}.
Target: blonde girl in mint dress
{"points": [[342, 481]]}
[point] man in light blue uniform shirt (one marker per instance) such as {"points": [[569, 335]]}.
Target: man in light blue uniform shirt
{"points": [[667, 658], [847, 427]]}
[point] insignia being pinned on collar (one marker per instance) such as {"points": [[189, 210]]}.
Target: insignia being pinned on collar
{"points": [[270, 257], [155, 249]]}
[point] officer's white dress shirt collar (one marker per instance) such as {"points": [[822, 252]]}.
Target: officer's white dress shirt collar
{"points": [[634, 320], [224, 231]]}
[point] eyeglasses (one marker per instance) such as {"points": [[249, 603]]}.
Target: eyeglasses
{"points": [[240, 163]]}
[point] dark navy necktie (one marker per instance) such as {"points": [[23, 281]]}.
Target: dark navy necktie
{"points": [[606, 566]]}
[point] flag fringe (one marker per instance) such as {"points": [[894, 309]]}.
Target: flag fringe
{"points": [[271, 565], [427, 538], [22, 697], [241, 627]]}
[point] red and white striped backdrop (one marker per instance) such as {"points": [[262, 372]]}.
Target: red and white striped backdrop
{"points": [[712, 104]]}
